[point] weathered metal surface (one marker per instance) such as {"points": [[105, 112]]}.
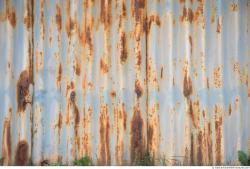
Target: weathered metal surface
{"points": [[113, 79]]}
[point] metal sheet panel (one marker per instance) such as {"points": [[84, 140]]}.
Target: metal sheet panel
{"points": [[115, 79]]}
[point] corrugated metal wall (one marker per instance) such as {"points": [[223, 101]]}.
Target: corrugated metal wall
{"points": [[114, 79]]}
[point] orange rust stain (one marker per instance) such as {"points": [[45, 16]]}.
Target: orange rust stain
{"points": [[138, 58], [124, 10], [124, 115], [76, 115], [58, 18], [218, 83], [218, 29], [137, 138], [70, 26], [123, 43], [42, 21], [28, 17], [22, 152], [137, 9], [187, 86], [121, 127], [194, 112], [106, 13], [113, 94], [59, 126], [191, 44], [59, 74], [138, 89], [248, 92], [104, 66], [11, 16], [182, 1], [150, 136], [154, 19], [218, 136], [234, 7], [77, 68], [23, 95], [187, 15], [87, 131], [104, 131], [6, 143]]}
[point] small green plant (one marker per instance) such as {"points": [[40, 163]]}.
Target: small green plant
{"points": [[146, 160], [84, 161], [46, 163], [244, 160]]}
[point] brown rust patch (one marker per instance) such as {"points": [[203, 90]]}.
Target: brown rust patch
{"points": [[113, 94], [11, 16], [59, 126], [106, 13], [209, 144], [104, 66], [218, 83], [28, 16], [161, 72], [6, 143], [187, 15], [137, 9], [22, 152], [230, 109], [200, 153], [138, 89], [124, 115], [59, 75], [191, 44], [124, 10], [77, 68], [192, 149], [104, 131], [123, 44], [70, 26], [154, 19], [23, 95], [58, 18], [150, 136], [218, 136], [182, 1], [187, 86], [76, 115], [137, 138], [138, 58]]}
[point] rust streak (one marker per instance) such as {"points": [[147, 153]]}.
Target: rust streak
{"points": [[137, 138], [187, 86], [138, 89], [6, 143], [23, 95], [104, 66], [28, 17], [104, 131], [58, 18], [124, 53], [22, 151]]}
